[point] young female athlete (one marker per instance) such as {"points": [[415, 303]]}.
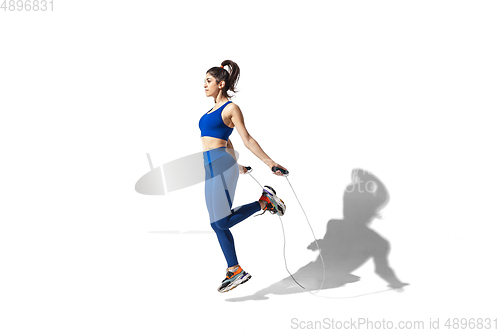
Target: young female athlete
{"points": [[221, 169]]}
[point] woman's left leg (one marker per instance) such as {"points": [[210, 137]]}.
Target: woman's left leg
{"points": [[224, 174], [224, 189], [238, 214]]}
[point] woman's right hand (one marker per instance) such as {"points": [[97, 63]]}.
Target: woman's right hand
{"points": [[242, 169]]}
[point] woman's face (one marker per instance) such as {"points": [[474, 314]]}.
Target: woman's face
{"points": [[211, 86]]}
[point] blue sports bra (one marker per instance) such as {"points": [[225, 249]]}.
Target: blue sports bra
{"points": [[211, 124]]}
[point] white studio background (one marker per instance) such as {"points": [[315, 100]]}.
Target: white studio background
{"points": [[407, 90]]}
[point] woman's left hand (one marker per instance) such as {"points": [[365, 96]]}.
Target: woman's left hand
{"points": [[278, 172]]}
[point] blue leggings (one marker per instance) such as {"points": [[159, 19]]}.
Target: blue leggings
{"points": [[221, 176]]}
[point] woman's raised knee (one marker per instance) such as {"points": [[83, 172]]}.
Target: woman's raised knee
{"points": [[222, 223]]}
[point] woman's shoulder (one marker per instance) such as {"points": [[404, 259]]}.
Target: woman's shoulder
{"points": [[233, 107], [232, 104]]}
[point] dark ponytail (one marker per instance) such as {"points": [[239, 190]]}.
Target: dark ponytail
{"points": [[230, 77]]}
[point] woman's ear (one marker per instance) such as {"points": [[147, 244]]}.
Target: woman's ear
{"points": [[222, 84]]}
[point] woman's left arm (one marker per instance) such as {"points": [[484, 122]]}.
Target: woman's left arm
{"points": [[238, 121]]}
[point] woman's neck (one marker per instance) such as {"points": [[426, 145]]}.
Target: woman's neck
{"points": [[220, 100]]}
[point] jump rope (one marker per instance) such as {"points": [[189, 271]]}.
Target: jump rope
{"points": [[285, 174]]}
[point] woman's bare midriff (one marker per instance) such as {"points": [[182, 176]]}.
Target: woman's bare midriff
{"points": [[211, 143]]}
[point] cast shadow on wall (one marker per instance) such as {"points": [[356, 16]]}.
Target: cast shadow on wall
{"points": [[347, 244]]}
